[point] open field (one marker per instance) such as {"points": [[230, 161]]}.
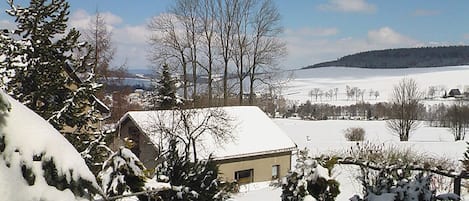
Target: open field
{"points": [[327, 136], [381, 80], [322, 137]]}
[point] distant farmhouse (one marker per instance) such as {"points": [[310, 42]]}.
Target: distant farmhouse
{"points": [[454, 93], [259, 150]]}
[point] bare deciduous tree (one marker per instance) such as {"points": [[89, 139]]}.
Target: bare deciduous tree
{"points": [[431, 91], [458, 118], [169, 45], [189, 126], [336, 91], [240, 36], [406, 98], [266, 47], [224, 27], [187, 13], [315, 92], [376, 94], [207, 15], [241, 43], [102, 52]]}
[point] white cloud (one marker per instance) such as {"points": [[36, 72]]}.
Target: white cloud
{"points": [[131, 34], [131, 46], [387, 36], [360, 6], [81, 19], [304, 49], [129, 40]]}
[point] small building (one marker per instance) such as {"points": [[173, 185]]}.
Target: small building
{"points": [[259, 150], [454, 93], [104, 111]]}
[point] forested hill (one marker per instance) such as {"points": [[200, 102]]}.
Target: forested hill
{"points": [[404, 58]]}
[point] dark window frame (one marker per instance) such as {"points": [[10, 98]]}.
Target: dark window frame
{"points": [[242, 174]]}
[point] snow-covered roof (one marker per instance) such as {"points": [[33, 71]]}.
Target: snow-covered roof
{"points": [[253, 131]]}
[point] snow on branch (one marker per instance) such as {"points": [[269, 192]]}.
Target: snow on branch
{"points": [[371, 165]]}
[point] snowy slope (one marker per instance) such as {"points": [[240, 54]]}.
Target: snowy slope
{"points": [[381, 80], [27, 136]]}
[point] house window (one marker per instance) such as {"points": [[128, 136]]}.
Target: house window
{"points": [[275, 171], [244, 176], [134, 136]]}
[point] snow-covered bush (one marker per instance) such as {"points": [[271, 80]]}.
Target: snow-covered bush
{"points": [[391, 173], [122, 173], [93, 148], [36, 161], [389, 155], [391, 184], [307, 179], [354, 134]]}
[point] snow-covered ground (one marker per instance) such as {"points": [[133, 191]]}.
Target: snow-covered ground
{"points": [[381, 80], [327, 136]]}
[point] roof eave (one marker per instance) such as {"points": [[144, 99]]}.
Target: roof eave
{"points": [[289, 149]]}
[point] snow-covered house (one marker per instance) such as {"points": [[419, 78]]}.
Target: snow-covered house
{"points": [[259, 150], [104, 110], [454, 93]]}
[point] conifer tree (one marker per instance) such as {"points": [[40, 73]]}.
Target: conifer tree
{"points": [[122, 173], [48, 78], [5, 42], [189, 180], [165, 96], [308, 178]]}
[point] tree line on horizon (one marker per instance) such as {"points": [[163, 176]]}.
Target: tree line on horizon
{"points": [[403, 58]]}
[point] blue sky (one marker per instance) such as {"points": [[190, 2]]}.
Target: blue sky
{"points": [[315, 30]]}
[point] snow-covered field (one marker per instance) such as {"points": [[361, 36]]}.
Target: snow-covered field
{"points": [[327, 136], [381, 80]]}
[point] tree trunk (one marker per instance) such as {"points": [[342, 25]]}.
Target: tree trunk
{"points": [[225, 83], [194, 81], [241, 91], [194, 150], [209, 83], [184, 75], [251, 86]]}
